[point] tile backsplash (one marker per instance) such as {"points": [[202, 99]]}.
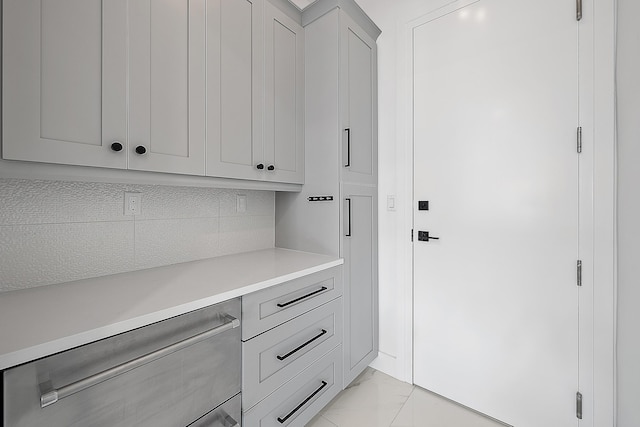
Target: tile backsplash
{"points": [[53, 232]]}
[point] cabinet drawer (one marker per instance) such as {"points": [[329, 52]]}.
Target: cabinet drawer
{"points": [[273, 358], [299, 400], [168, 373], [270, 307], [226, 415]]}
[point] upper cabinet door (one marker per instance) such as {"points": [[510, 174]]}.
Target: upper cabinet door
{"points": [[64, 82], [284, 97], [235, 89], [167, 55], [358, 90]]}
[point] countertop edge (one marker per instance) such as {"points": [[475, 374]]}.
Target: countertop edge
{"points": [[28, 354]]}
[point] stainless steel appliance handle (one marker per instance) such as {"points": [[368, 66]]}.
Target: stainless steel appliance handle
{"points": [[228, 421], [51, 396]]}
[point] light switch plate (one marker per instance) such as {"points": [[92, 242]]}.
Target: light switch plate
{"points": [[391, 203], [241, 203]]}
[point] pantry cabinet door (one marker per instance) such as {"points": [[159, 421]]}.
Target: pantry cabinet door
{"points": [[234, 92], [64, 82], [358, 83], [284, 97], [167, 54], [360, 253]]}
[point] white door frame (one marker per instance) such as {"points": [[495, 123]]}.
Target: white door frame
{"points": [[597, 228]]}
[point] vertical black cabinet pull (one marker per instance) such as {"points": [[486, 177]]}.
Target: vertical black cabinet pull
{"points": [[304, 402], [348, 131], [348, 216]]}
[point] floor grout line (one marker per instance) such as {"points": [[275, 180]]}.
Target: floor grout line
{"points": [[413, 388]]}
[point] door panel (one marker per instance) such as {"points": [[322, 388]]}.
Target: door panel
{"points": [[234, 89], [64, 81], [358, 116], [284, 95], [495, 299], [360, 278], [167, 85]]}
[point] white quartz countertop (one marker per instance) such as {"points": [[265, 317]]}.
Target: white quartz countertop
{"points": [[41, 321]]}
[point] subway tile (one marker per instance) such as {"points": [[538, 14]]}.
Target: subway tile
{"points": [[171, 241], [57, 202], [160, 202], [246, 233], [44, 254]]}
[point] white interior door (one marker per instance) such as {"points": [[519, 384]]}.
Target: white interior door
{"points": [[495, 298]]}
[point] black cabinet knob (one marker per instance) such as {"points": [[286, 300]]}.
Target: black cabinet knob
{"points": [[116, 146], [271, 167], [140, 149], [260, 166]]}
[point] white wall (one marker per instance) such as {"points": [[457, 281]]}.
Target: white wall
{"points": [[628, 213], [395, 158], [52, 232]]}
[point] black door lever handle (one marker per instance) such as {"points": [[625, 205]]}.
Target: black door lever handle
{"points": [[423, 236]]}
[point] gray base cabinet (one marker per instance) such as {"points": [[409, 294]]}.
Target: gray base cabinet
{"points": [[292, 350], [303, 397]]}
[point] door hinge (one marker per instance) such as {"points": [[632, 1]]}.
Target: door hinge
{"points": [[579, 139], [578, 10], [412, 234], [579, 273], [579, 405]]}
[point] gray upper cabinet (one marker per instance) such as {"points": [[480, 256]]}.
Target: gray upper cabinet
{"points": [[358, 77], [235, 89], [284, 97], [256, 112], [208, 88], [167, 40], [64, 82]]}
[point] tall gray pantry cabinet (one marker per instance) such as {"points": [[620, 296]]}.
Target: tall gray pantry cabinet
{"points": [[341, 161]]}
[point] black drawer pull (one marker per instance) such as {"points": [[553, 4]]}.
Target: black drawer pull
{"points": [[297, 408], [300, 347], [284, 304]]}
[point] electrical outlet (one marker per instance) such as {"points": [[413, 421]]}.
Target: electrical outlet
{"points": [[132, 203]]}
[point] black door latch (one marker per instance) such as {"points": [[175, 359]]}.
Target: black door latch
{"points": [[423, 236]]}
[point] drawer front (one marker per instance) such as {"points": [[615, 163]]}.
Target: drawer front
{"points": [[270, 307], [228, 414], [172, 390], [273, 358], [299, 400]]}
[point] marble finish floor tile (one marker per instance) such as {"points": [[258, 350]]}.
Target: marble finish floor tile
{"points": [[375, 399], [426, 409]]}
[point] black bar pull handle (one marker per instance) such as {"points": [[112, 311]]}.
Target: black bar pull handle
{"points": [[348, 217], [348, 131], [304, 402], [293, 301], [301, 346]]}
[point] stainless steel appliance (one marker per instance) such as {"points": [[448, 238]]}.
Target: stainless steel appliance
{"points": [[184, 371]]}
